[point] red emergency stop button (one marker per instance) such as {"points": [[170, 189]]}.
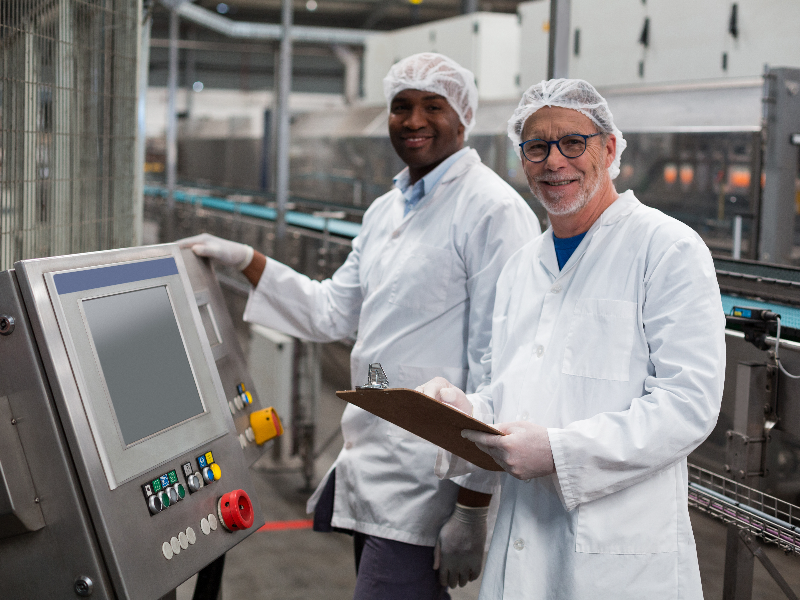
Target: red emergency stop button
{"points": [[235, 511]]}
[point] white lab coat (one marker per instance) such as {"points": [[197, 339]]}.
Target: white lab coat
{"points": [[621, 355], [419, 290]]}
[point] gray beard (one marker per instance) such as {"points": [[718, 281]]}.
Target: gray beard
{"points": [[560, 209]]}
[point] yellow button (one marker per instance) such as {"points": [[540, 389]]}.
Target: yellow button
{"points": [[217, 471], [266, 424], [209, 458]]}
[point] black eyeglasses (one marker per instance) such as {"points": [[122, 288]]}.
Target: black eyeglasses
{"points": [[571, 146]]}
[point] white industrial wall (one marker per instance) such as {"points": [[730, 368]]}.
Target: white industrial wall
{"points": [[687, 39], [227, 113], [485, 43]]}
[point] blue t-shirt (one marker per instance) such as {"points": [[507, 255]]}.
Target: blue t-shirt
{"points": [[565, 247]]}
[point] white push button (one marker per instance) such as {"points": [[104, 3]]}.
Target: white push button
{"points": [[183, 540], [204, 526], [193, 482], [237, 400], [173, 495], [176, 545], [232, 407], [166, 550], [191, 535], [519, 544], [250, 434], [212, 522], [540, 351]]}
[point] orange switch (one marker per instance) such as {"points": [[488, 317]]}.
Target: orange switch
{"points": [[266, 424]]}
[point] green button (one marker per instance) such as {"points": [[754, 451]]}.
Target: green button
{"points": [[181, 490], [173, 476], [157, 485], [164, 499]]}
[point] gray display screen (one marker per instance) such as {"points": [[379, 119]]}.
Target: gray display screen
{"points": [[144, 361]]}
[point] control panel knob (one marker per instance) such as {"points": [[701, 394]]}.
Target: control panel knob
{"points": [[173, 495], [208, 475], [194, 483], [235, 511], [164, 497], [180, 491], [154, 504]]}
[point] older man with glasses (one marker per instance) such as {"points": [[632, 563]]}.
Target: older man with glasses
{"points": [[605, 372], [417, 290]]}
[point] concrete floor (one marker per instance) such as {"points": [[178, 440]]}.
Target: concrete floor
{"points": [[303, 565]]}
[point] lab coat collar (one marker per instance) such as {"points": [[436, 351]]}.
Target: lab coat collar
{"points": [[624, 205], [466, 161]]}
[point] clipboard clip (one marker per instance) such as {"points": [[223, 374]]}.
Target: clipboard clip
{"points": [[376, 378]]}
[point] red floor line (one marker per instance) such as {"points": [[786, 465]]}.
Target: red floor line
{"points": [[284, 525]]}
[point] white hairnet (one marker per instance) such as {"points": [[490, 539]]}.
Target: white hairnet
{"points": [[576, 94], [431, 72]]}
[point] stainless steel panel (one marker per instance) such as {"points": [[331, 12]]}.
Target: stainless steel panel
{"points": [[66, 547], [130, 539], [228, 354], [19, 507]]}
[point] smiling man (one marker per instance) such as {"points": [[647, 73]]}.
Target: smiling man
{"points": [[605, 372], [417, 291]]}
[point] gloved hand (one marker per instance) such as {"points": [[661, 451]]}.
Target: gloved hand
{"points": [[458, 553], [227, 252], [524, 452], [440, 389]]}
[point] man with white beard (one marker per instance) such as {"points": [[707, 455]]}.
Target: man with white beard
{"points": [[605, 371]]}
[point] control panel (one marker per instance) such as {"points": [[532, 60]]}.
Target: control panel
{"points": [[131, 425]]}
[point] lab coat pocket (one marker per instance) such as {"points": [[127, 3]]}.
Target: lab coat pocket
{"points": [[410, 377], [422, 278], [641, 519], [600, 339]]}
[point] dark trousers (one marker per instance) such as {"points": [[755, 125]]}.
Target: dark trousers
{"points": [[390, 570]]}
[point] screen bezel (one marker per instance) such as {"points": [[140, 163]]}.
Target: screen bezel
{"points": [[122, 462]]}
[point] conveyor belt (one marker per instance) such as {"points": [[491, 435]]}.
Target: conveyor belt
{"points": [[298, 219], [790, 316]]}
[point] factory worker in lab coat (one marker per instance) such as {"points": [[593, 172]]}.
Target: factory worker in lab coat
{"points": [[418, 290], [605, 371]]}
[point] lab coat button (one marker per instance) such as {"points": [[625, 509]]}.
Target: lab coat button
{"points": [[525, 416], [395, 235], [539, 351], [348, 445], [555, 289], [519, 544]]}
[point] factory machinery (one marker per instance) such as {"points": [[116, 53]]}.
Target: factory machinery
{"points": [[127, 425]]}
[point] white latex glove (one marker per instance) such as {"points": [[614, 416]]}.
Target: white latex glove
{"points": [[227, 252], [440, 389], [458, 553], [524, 452]]}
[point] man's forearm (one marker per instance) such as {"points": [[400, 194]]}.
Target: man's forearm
{"points": [[255, 269]]}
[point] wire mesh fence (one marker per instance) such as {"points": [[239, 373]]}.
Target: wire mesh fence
{"points": [[68, 87]]}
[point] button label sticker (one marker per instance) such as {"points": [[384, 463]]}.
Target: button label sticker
{"points": [[173, 477], [209, 458], [201, 460], [187, 469], [157, 487], [164, 480]]}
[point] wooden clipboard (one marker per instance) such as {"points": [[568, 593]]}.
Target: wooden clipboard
{"points": [[434, 421]]}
